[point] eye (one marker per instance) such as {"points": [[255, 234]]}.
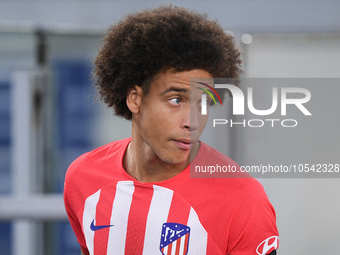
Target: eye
{"points": [[209, 99], [175, 101]]}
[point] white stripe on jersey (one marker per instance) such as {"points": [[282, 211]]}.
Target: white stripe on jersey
{"points": [[158, 214], [198, 235], [88, 216], [121, 204]]}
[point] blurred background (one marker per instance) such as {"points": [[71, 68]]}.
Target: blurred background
{"points": [[49, 115]]}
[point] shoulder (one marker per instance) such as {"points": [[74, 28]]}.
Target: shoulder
{"points": [[97, 158], [105, 152], [212, 170], [93, 170]]}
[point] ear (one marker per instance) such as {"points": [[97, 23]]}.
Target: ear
{"points": [[134, 99]]}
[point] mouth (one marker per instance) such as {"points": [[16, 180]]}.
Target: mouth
{"points": [[185, 144]]}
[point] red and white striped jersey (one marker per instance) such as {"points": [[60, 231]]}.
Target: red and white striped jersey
{"points": [[112, 213]]}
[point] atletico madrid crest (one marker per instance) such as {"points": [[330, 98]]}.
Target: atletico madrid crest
{"points": [[174, 239]]}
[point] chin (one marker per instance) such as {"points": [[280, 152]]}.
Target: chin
{"points": [[174, 156], [176, 161]]}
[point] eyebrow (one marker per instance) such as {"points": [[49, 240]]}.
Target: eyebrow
{"points": [[181, 90]]}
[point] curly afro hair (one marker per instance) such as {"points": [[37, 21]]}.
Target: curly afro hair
{"points": [[149, 42]]}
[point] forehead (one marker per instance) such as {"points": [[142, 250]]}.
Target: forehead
{"points": [[185, 79]]}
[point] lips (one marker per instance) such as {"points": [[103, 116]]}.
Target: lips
{"points": [[184, 144]]}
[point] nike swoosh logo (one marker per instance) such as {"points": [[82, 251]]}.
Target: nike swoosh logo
{"points": [[95, 228]]}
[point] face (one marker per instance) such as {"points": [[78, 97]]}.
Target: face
{"points": [[169, 121]]}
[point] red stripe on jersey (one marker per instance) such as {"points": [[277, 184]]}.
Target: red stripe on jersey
{"points": [[178, 246], [169, 249], [138, 214], [186, 244], [103, 216], [179, 210]]}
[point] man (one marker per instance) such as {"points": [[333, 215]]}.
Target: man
{"points": [[135, 196]]}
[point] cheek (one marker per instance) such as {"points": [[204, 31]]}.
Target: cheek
{"points": [[202, 120], [153, 121]]}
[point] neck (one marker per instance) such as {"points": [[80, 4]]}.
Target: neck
{"points": [[144, 165]]}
